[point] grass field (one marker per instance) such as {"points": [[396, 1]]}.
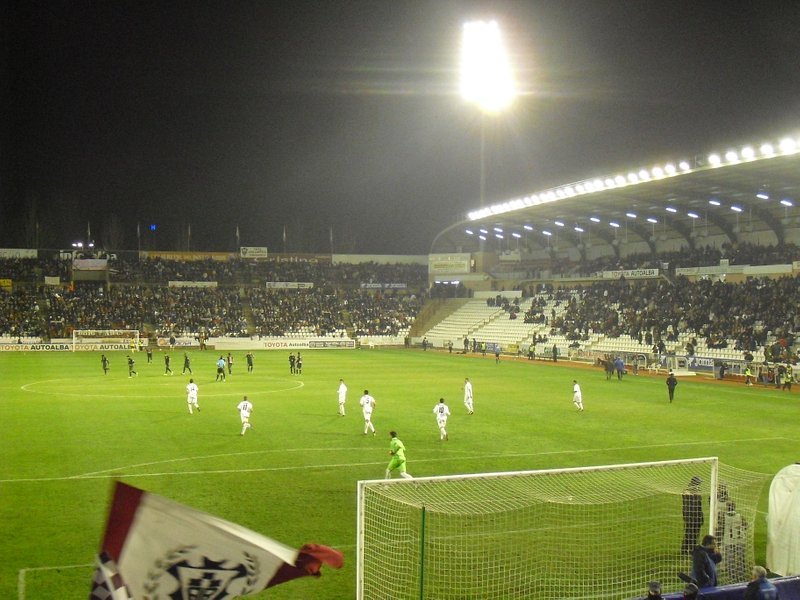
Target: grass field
{"points": [[67, 431]]}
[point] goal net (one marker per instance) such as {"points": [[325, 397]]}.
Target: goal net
{"points": [[579, 533], [105, 339]]}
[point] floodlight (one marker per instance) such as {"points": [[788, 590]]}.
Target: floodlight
{"points": [[736, 209], [516, 235], [684, 166], [594, 219], [578, 229], [787, 202], [748, 153], [559, 223], [499, 236], [633, 178], [547, 233], [767, 150], [482, 237], [498, 229], [788, 145], [630, 215], [528, 227], [469, 231], [657, 172], [714, 160], [714, 202], [619, 180], [669, 169], [598, 184], [613, 224], [731, 156], [671, 209], [652, 220], [693, 215], [762, 195], [644, 174], [484, 231], [486, 77], [610, 183]]}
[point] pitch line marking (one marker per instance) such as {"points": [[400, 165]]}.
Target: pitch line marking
{"points": [[102, 475], [21, 591], [26, 388]]}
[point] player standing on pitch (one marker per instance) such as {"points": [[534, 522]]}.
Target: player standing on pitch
{"points": [[442, 411], [245, 407], [367, 403], [468, 395], [191, 396], [342, 396]]}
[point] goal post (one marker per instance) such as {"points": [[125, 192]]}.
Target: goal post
{"points": [[577, 533], [106, 339]]}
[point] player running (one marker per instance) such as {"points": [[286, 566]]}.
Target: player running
{"points": [[245, 407], [442, 411], [468, 395], [397, 451], [367, 403], [342, 396]]}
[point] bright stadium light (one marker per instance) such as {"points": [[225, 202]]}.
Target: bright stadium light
{"points": [[486, 76], [714, 202], [578, 229], [469, 231], [714, 160], [547, 233], [559, 223], [671, 209], [788, 145], [594, 219], [767, 150], [748, 153], [527, 227], [736, 209], [516, 235], [693, 215], [630, 215], [787, 202], [762, 196], [613, 224], [652, 220]]}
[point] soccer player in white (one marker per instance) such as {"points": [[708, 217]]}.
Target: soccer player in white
{"points": [[191, 396], [367, 403], [468, 395], [442, 411], [342, 396], [245, 407], [577, 398]]}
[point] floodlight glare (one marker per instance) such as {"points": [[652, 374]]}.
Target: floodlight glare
{"points": [[498, 229], [528, 227], [748, 153], [669, 169], [482, 237], [613, 224], [469, 231], [499, 236], [484, 231], [714, 160], [547, 233], [594, 219], [684, 166], [787, 202], [619, 180], [578, 229], [787, 145], [559, 223], [762, 196], [671, 209], [736, 209], [714, 202], [767, 149], [693, 215], [630, 215], [731, 156], [516, 235], [652, 220], [486, 77]]}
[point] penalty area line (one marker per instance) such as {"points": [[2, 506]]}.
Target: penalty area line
{"points": [[21, 583], [102, 475]]}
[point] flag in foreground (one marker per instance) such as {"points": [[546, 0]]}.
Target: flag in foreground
{"points": [[157, 548]]}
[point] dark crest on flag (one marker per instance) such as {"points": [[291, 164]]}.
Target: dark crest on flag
{"points": [[185, 578]]}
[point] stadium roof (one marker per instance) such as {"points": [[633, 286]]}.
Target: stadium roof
{"points": [[738, 194]]}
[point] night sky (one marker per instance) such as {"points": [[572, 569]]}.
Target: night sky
{"points": [[346, 115]]}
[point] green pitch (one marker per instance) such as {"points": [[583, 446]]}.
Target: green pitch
{"points": [[67, 430]]}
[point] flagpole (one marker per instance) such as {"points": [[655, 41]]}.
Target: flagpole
{"points": [[138, 239], [284, 239]]}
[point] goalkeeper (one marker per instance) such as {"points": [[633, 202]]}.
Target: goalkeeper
{"points": [[398, 453]]}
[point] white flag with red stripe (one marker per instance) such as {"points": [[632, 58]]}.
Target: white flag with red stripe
{"points": [[157, 548]]}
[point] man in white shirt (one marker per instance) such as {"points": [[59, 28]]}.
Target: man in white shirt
{"points": [[191, 396], [442, 411], [245, 407], [342, 396], [577, 398], [367, 403], [468, 395]]}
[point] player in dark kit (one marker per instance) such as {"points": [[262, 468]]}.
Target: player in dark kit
{"points": [[131, 369], [298, 364], [291, 364], [186, 364], [104, 362], [672, 383], [149, 352], [230, 363], [167, 368], [249, 357]]}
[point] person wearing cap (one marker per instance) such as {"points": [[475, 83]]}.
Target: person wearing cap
{"points": [[672, 382], [692, 514], [760, 588], [654, 590]]}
